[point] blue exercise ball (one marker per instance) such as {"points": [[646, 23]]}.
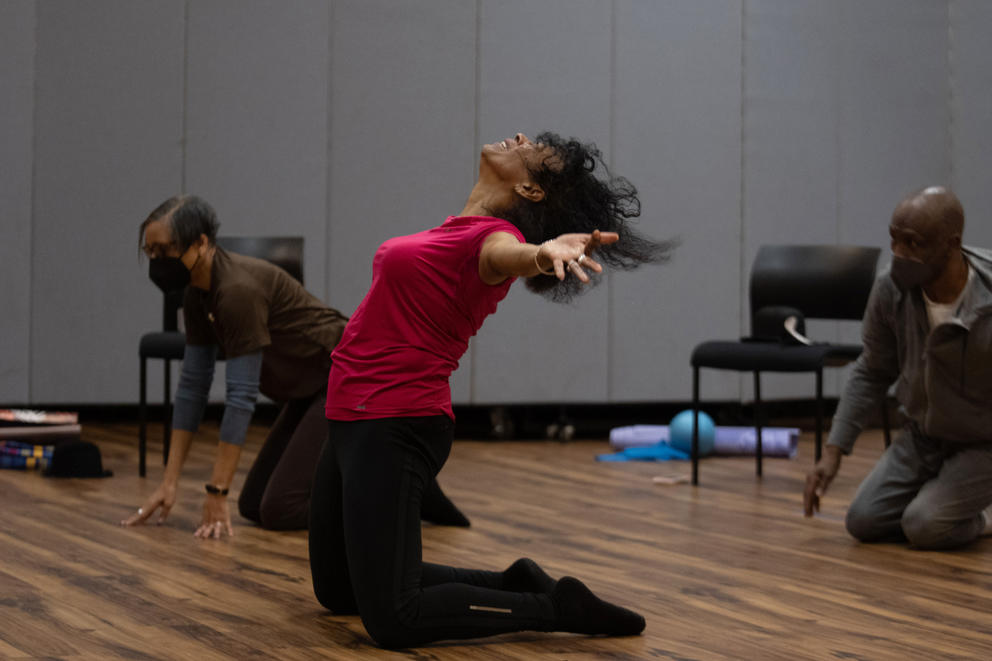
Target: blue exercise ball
{"points": [[680, 433]]}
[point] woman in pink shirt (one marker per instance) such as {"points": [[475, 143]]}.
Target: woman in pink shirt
{"points": [[537, 211]]}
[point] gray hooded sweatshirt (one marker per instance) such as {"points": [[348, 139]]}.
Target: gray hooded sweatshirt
{"points": [[944, 375]]}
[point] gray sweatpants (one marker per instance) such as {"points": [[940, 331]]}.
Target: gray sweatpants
{"points": [[925, 491]]}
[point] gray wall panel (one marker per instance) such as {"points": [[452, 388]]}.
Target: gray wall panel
{"points": [[403, 153], [17, 29], [791, 151], [677, 137], [351, 121], [108, 134], [895, 118], [256, 120], [971, 110], [256, 123], [791, 146], [895, 115], [838, 130], [544, 66]]}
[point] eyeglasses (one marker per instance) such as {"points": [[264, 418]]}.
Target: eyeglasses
{"points": [[157, 250]]}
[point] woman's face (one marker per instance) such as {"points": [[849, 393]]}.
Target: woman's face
{"points": [[158, 240], [160, 243], [512, 160]]}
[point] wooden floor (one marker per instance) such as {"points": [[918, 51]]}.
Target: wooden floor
{"points": [[729, 570]]}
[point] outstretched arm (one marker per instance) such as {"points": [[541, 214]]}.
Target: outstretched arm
{"points": [[873, 373], [191, 398], [503, 256], [243, 375]]}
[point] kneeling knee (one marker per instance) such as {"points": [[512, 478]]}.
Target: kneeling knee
{"points": [[280, 515], [861, 523], [390, 627], [247, 509], [923, 529], [387, 633], [335, 600]]}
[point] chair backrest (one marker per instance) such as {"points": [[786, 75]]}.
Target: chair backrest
{"points": [[822, 282], [283, 251]]}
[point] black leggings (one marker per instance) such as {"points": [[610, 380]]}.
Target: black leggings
{"points": [[276, 493], [365, 552]]}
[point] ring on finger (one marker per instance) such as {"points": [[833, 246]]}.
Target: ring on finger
{"points": [[581, 259], [140, 511]]}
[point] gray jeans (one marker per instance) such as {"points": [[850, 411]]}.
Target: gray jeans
{"points": [[924, 491]]}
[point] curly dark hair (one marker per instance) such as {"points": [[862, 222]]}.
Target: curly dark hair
{"points": [[577, 200]]}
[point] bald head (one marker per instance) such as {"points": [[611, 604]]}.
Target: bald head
{"points": [[933, 211], [926, 233]]}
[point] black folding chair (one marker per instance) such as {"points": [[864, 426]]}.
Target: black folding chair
{"points": [[170, 343], [167, 345], [789, 284]]}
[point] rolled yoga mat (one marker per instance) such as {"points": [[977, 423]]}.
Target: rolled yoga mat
{"points": [[728, 441]]}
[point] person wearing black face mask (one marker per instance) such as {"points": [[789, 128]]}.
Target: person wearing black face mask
{"points": [[928, 327], [170, 273], [277, 339]]}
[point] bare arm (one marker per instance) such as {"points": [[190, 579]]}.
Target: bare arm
{"points": [[243, 375], [216, 518], [179, 444], [191, 398], [225, 464], [503, 256]]}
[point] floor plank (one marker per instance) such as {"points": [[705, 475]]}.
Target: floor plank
{"points": [[728, 570]]}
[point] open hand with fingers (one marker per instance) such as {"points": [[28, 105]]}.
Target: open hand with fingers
{"points": [[216, 518], [162, 500], [573, 252], [818, 479]]}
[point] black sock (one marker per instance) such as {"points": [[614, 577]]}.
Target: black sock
{"points": [[437, 508], [580, 611], [525, 575]]}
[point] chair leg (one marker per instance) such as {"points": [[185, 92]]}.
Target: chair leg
{"points": [[885, 421], [757, 420], [142, 416], [167, 423], [695, 425], [819, 414]]}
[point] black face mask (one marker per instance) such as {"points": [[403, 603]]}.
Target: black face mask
{"points": [[168, 273], [909, 273]]}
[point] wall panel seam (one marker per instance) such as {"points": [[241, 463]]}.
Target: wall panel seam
{"points": [[838, 146], [32, 196], [476, 140], [610, 289], [951, 88], [329, 155], [742, 269], [185, 101]]}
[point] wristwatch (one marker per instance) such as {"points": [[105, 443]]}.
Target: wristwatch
{"points": [[217, 491]]}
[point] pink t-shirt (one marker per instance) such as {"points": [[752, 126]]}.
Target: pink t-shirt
{"points": [[407, 335]]}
